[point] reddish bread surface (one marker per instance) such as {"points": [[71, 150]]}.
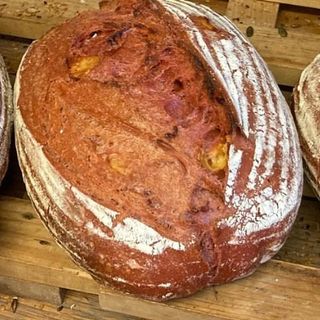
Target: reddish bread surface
{"points": [[307, 114], [5, 118], [154, 143]]}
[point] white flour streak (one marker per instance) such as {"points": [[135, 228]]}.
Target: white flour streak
{"points": [[235, 158], [103, 214], [165, 285], [137, 235], [118, 279], [272, 127]]}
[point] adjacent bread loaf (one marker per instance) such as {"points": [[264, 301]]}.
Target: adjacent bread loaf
{"points": [[156, 147], [5, 118], [307, 114]]}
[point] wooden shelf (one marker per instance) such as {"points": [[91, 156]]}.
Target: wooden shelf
{"points": [[293, 276]]}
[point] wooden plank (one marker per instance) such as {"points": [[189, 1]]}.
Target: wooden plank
{"points": [[32, 18], [114, 301], [276, 291], [283, 53], [303, 3], [303, 244], [299, 19], [254, 12], [286, 75], [74, 278], [33, 290], [76, 306], [29, 254]]}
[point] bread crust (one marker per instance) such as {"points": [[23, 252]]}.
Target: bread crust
{"points": [[6, 110], [307, 115], [132, 180]]}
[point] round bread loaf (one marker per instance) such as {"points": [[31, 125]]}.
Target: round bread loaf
{"points": [[307, 115], [156, 147], [5, 118]]}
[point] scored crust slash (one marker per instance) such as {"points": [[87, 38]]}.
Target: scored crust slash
{"points": [[160, 142]]}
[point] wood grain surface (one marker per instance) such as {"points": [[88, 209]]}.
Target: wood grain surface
{"points": [[292, 278], [253, 12], [303, 3], [76, 306]]}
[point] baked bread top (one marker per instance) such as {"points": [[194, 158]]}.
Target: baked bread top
{"points": [[154, 143]]}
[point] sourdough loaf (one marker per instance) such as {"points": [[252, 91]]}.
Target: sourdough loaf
{"points": [[307, 115], [156, 147], [5, 118]]}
